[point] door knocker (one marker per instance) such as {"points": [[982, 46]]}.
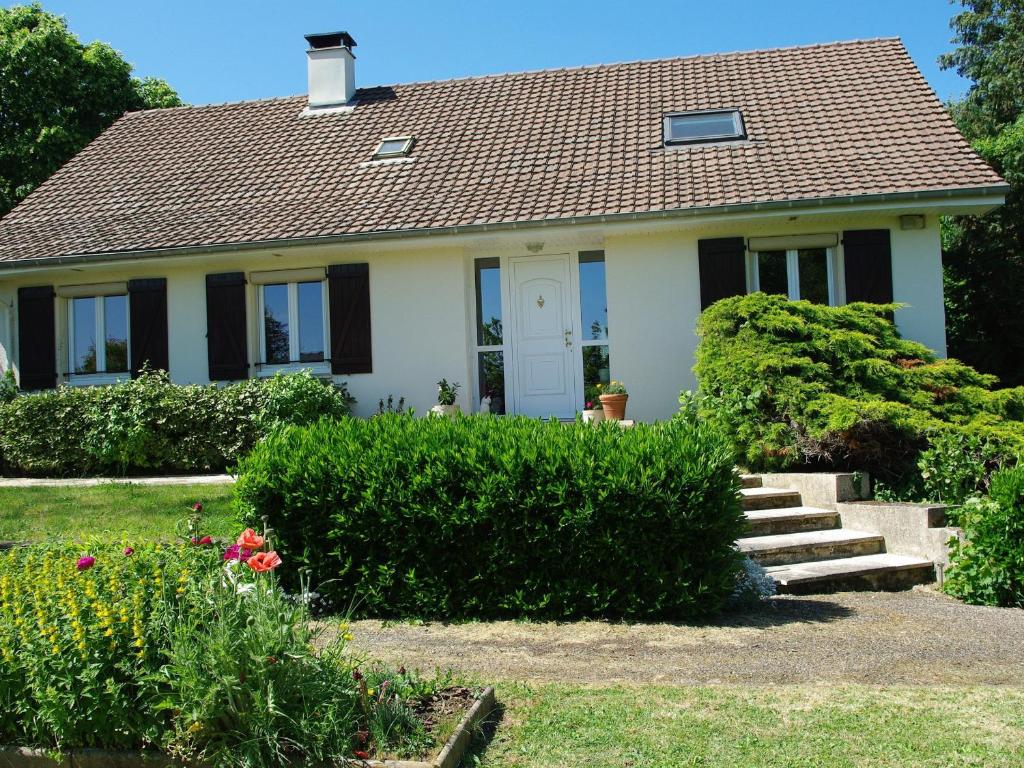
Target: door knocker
{"points": [[540, 301]]}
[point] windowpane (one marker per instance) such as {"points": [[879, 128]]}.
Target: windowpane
{"points": [[83, 347], [115, 331], [491, 375], [311, 322], [596, 370], [488, 302], [275, 323], [703, 126], [593, 295], [771, 272], [814, 275]]}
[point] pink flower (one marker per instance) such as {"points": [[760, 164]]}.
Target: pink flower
{"points": [[128, 551], [235, 552], [85, 563], [197, 507], [203, 542]]}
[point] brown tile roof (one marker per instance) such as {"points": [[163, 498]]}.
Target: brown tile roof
{"points": [[836, 120]]}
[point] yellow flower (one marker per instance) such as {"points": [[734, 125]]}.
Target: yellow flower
{"points": [[370, 691], [347, 637], [55, 650]]}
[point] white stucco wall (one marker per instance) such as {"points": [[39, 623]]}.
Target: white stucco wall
{"points": [[653, 304], [917, 282], [422, 300], [417, 310]]}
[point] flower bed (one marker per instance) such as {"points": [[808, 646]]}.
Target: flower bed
{"points": [[195, 651]]}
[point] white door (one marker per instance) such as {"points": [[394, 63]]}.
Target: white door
{"points": [[543, 347]]}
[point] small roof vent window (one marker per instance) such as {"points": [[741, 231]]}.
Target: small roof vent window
{"points": [[394, 146], [703, 126]]}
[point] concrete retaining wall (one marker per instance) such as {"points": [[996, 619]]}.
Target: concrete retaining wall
{"points": [[909, 529]]}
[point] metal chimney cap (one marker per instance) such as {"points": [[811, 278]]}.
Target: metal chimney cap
{"points": [[330, 40]]}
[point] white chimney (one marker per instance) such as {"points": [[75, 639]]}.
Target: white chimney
{"points": [[332, 69]]}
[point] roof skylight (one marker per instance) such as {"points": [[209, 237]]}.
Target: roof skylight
{"points": [[394, 146], [703, 126]]}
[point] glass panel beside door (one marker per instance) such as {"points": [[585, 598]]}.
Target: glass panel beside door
{"points": [[594, 322]]}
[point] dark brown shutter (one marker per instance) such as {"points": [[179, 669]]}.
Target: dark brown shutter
{"points": [[226, 348], [351, 349], [723, 269], [147, 306], [867, 257], [37, 338]]}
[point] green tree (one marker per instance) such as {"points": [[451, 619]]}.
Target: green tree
{"points": [[984, 256], [57, 95]]}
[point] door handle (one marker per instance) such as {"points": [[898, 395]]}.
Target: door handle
{"points": [[568, 338]]}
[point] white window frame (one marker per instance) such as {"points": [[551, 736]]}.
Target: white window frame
{"points": [[793, 273], [102, 376], [319, 368]]}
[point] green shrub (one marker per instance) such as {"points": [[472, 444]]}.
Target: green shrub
{"points": [[150, 424], [169, 648], [987, 566], [800, 384], [485, 516]]}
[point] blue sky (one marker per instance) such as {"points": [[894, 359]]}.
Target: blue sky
{"points": [[226, 50]]}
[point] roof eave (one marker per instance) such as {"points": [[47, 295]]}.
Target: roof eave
{"points": [[993, 194]]}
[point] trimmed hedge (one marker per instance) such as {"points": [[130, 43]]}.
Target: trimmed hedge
{"points": [[800, 384], [149, 424], [987, 568], [482, 516]]}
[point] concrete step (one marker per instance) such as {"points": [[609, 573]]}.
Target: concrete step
{"points": [[877, 572], [809, 546], [772, 522], [751, 481], [769, 498]]}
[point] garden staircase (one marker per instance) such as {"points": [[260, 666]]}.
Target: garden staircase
{"points": [[806, 549]]}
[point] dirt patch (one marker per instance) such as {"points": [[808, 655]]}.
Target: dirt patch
{"points": [[445, 708], [917, 638]]}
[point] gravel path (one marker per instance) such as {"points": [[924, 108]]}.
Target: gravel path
{"points": [[89, 482], [918, 637]]}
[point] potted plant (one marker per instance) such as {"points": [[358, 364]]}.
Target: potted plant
{"points": [[613, 400], [447, 394], [593, 412]]}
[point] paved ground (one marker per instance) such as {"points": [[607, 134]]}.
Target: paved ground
{"points": [[918, 637], [83, 482]]}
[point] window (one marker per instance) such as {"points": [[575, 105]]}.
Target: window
{"points": [[489, 334], [594, 322], [802, 273], [98, 334], [399, 146], [294, 328], [710, 125]]}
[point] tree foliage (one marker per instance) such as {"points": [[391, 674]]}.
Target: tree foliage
{"points": [[801, 384], [984, 256], [56, 95]]}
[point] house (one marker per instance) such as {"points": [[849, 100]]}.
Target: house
{"points": [[525, 234]]}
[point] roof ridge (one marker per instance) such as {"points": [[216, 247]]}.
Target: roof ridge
{"points": [[542, 70], [629, 62]]}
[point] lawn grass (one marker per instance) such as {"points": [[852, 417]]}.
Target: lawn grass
{"points": [[792, 726], [111, 509]]}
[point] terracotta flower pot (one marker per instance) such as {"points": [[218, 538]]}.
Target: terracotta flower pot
{"points": [[614, 407]]}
